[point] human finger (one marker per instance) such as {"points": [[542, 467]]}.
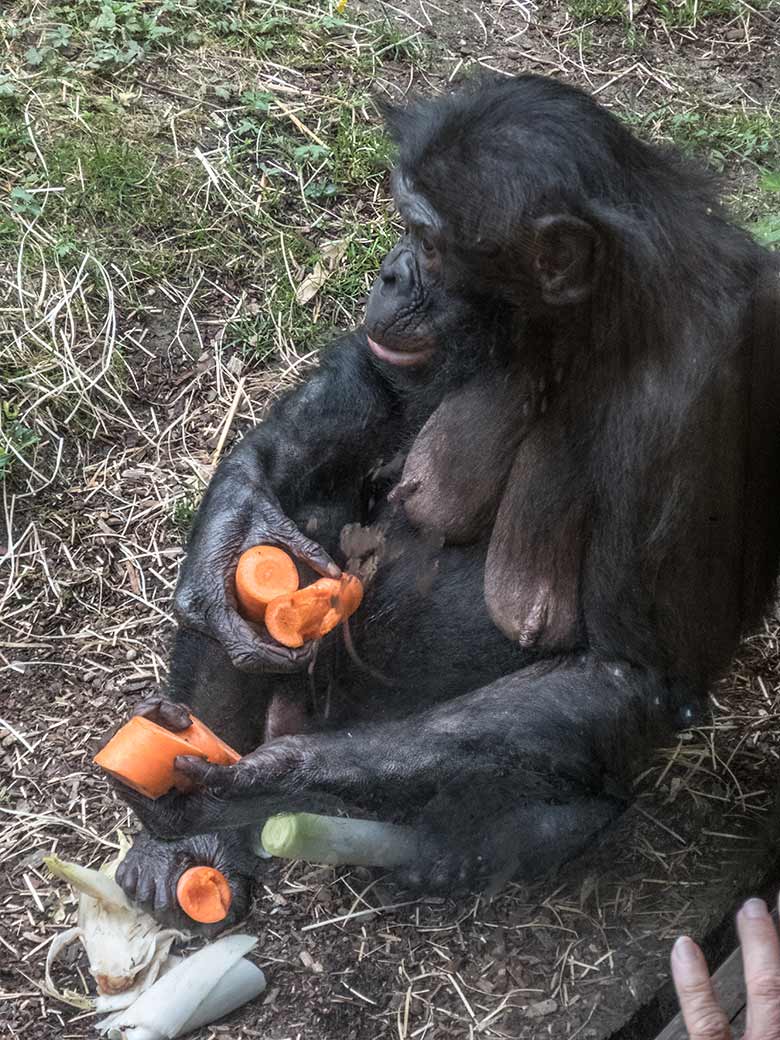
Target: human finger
{"points": [[704, 1018], [761, 959]]}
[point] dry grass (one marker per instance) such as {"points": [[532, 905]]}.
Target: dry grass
{"points": [[134, 347]]}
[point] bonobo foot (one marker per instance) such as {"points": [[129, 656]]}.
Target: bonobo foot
{"points": [[463, 849], [151, 870]]}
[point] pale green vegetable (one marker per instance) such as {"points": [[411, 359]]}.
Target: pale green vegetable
{"points": [[196, 991], [126, 948], [336, 840]]}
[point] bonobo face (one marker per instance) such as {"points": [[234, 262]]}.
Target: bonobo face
{"points": [[416, 307]]}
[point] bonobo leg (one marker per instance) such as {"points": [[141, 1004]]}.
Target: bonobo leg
{"points": [[234, 705], [521, 773]]}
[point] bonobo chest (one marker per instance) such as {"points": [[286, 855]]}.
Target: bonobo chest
{"points": [[458, 464], [423, 627], [479, 473]]}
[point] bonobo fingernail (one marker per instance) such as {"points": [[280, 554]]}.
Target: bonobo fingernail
{"points": [[685, 950], [755, 908]]}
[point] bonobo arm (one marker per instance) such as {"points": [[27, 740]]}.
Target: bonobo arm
{"points": [[317, 445], [542, 757]]}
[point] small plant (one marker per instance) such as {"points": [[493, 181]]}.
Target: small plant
{"points": [[597, 10], [184, 509], [16, 439]]}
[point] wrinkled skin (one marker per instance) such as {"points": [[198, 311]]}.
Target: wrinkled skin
{"points": [[569, 375]]}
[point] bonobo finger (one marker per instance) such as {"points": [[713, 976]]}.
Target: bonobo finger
{"points": [[260, 771], [761, 958], [225, 780], [703, 1016], [313, 554], [249, 653], [281, 529], [170, 714]]}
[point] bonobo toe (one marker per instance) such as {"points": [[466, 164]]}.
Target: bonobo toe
{"points": [[151, 870], [444, 871]]}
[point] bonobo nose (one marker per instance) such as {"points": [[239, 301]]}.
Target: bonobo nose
{"points": [[397, 270]]}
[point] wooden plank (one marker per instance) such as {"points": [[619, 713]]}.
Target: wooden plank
{"points": [[738, 1025]]}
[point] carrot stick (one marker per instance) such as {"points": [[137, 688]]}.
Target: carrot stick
{"points": [[204, 894], [312, 612], [263, 573]]}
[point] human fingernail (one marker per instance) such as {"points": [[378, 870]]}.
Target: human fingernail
{"points": [[755, 908], [685, 949]]}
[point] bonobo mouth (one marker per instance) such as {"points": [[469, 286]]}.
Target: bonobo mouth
{"points": [[405, 358]]}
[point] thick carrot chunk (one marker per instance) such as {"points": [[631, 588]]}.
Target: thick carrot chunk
{"points": [[142, 754]]}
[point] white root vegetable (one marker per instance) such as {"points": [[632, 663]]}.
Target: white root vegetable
{"points": [[335, 840], [126, 948], [197, 990]]}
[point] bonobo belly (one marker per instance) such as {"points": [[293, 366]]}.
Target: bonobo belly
{"points": [[423, 633]]}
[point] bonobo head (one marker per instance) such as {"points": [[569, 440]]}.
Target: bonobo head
{"points": [[480, 187], [520, 194]]}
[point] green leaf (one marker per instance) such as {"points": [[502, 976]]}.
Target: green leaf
{"points": [[34, 56], [105, 20], [257, 100], [767, 230], [770, 180], [310, 151]]}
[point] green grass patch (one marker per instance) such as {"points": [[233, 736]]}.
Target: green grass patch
{"points": [[679, 14], [722, 138], [597, 10]]}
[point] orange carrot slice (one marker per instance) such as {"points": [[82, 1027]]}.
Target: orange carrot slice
{"points": [[312, 612], [263, 573], [142, 754], [204, 894]]}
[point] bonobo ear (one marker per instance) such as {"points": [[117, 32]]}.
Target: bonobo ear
{"points": [[564, 258], [397, 118]]}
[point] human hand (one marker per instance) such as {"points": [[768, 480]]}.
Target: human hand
{"points": [[704, 1018]]}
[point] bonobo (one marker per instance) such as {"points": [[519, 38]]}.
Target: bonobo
{"points": [[553, 449]]}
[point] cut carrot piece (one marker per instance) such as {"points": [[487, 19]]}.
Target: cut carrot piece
{"points": [[312, 612], [204, 894], [142, 754], [263, 573]]}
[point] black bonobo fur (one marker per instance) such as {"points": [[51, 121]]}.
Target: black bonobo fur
{"points": [[559, 430]]}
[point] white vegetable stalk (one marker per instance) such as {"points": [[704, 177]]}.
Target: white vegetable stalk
{"points": [[200, 989], [336, 841], [126, 948]]}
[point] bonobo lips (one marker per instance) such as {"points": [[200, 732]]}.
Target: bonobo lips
{"points": [[399, 357]]}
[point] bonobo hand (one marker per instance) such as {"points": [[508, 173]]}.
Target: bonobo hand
{"points": [[236, 515], [703, 1015], [267, 770], [151, 870]]}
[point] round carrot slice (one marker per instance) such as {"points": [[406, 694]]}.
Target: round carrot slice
{"points": [[263, 573], [204, 894]]}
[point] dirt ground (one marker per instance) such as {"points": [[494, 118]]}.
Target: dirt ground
{"points": [[91, 545]]}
